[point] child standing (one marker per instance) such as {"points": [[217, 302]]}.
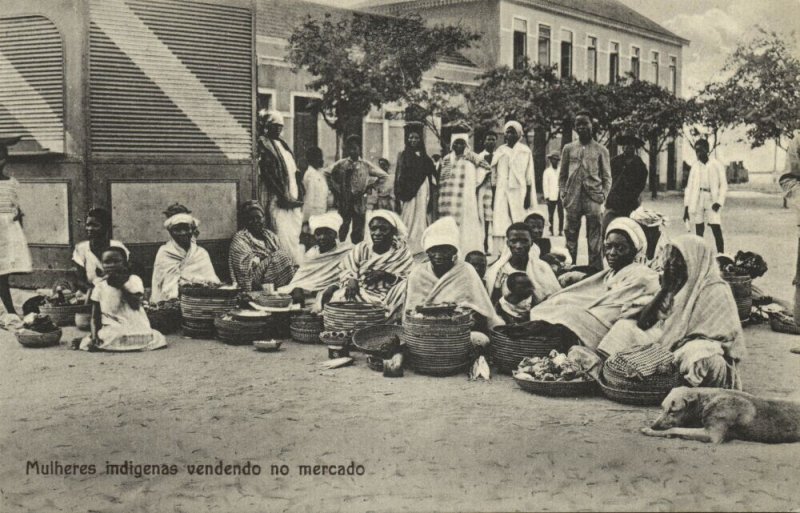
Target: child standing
{"points": [[119, 323], [515, 307], [15, 257], [550, 189]]}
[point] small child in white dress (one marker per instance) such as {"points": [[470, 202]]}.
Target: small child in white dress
{"points": [[119, 322]]}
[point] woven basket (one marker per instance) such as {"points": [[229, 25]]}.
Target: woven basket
{"points": [[272, 300], [64, 315], [372, 341], [438, 346], [305, 327], [198, 314], [558, 388], [336, 338], [236, 332], [33, 339], [208, 293], [634, 397], [783, 323], [165, 321], [507, 352], [655, 383], [342, 316], [742, 288]]}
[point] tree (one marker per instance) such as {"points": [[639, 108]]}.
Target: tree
{"points": [[656, 116], [443, 101], [360, 61], [714, 110]]}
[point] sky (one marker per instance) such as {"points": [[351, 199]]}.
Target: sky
{"points": [[714, 28]]}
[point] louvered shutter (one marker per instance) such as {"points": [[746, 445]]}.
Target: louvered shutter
{"points": [[170, 77], [32, 83]]}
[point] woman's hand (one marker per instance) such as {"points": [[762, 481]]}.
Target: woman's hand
{"points": [[351, 289], [376, 276]]}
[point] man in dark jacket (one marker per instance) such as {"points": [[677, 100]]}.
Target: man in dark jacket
{"points": [[628, 179]]}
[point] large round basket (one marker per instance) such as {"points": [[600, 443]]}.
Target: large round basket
{"points": [[634, 397], [654, 383], [165, 321], [64, 315], [742, 288], [558, 388], [437, 345], [378, 341], [271, 300], [783, 323], [238, 332], [341, 316], [198, 313], [34, 339], [305, 327], [507, 352], [208, 292]]}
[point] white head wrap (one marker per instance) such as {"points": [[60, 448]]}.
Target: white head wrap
{"points": [[181, 219], [391, 218], [634, 231], [443, 232], [274, 118], [516, 126], [459, 137], [648, 218], [331, 220]]}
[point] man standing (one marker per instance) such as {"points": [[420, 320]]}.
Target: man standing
{"points": [[790, 183], [279, 192], [705, 193], [516, 187], [628, 179], [584, 182], [489, 186], [349, 181], [550, 192]]}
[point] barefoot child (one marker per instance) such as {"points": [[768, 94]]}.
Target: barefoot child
{"points": [[515, 307], [119, 323], [15, 257]]}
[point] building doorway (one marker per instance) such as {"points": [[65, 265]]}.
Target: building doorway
{"points": [[306, 133]]}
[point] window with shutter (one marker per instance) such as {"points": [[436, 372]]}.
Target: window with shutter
{"points": [[32, 83], [170, 77]]}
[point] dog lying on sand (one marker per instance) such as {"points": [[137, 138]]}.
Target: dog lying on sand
{"points": [[716, 415]]}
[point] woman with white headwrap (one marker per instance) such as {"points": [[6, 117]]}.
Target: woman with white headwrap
{"points": [[693, 316], [516, 185], [445, 278], [180, 260], [322, 266], [590, 308], [375, 270], [461, 195]]}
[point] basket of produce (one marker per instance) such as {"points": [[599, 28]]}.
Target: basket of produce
{"points": [[640, 376], [271, 300], [510, 344], [232, 330], [344, 316], [62, 304], [38, 330], [783, 323], [305, 327], [382, 341], [742, 288], [554, 375], [200, 307], [164, 316], [438, 345]]}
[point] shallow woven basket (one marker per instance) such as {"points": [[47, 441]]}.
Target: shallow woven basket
{"points": [[558, 388], [507, 352], [209, 293], [272, 301], [371, 340], [236, 332], [742, 289], [165, 321], [633, 397], [783, 324], [341, 316], [33, 339], [64, 315]]}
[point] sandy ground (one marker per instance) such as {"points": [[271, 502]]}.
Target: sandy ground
{"points": [[425, 444]]}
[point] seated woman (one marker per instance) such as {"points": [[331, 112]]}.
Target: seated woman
{"points": [[87, 254], [515, 307], [521, 255], [180, 260], [256, 256], [586, 311], [693, 315], [119, 323], [323, 262], [376, 269], [447, 279]]}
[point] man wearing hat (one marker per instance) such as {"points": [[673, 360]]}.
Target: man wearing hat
{"points": [[551, 192], [628, 179], [279, 191]]}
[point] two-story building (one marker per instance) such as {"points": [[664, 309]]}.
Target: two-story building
{"points": [[598, 40]]}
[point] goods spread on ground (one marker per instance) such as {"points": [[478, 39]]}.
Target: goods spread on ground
{"points": [[171, 305], [63, 296], [554, 367], [39, 323]]}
